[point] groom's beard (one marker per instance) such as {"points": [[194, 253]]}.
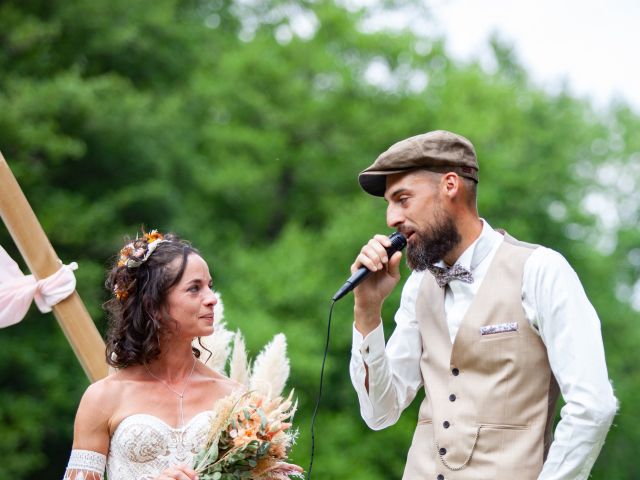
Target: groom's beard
{"points": [[432, 244]]}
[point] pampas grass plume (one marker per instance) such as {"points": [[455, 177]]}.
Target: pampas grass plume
{"points": [[239, 369], [271, 368]]}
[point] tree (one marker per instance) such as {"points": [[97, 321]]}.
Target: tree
{"points": [[242, 126]]}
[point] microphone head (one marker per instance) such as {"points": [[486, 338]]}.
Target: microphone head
{"points": [[398, 242]]}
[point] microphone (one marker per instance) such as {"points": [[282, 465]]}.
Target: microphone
{"points": [[398, 242]]}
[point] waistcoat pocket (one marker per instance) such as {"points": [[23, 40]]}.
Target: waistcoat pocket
{"points": [[500, 336], [502, 426]]}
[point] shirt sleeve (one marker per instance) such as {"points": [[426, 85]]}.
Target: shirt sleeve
{"points": [[394, 370], [557, 306]]}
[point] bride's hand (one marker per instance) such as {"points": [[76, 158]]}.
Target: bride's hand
{"points": [[179, 472]]}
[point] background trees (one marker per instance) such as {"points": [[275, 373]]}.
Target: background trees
{"points": [[242, 126]]}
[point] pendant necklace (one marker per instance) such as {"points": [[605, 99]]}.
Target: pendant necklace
{"points": [[179, 394]]}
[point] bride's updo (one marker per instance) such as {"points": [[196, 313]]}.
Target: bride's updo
{"points": [[139, 282]]}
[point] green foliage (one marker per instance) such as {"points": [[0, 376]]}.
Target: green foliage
{"points": [[227, 123]]}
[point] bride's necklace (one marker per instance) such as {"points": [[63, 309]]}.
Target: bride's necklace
{"points": [[179, 394]]}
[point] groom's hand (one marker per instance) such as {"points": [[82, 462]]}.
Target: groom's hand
{"points": [[371, 293]]}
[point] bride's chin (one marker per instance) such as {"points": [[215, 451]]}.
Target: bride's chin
{"points": [[207, 331]]}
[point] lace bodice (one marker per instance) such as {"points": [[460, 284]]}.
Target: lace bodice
{"points": [[141, 447]]}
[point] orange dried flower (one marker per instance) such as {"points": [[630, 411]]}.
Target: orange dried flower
{"points": [[153, 235]]}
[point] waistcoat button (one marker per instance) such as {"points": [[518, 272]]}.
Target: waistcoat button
{"points": [[442, 451], [455, 372], [452, 397], [440, 477], [446, 424]]}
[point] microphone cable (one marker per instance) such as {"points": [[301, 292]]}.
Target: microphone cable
{"points": [[398, 242], [315, 411]]}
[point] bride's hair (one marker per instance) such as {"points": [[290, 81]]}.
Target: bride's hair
{"points": [[139, 281]]}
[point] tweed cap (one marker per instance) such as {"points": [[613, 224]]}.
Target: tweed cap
{"points": [[438, 151]]}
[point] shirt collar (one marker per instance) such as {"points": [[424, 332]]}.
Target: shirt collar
{"points": [[479, 249]]}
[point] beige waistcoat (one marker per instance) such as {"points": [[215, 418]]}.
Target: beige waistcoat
{"points": [[490, 399]]}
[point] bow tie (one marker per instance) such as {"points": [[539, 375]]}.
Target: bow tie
{"points": [[445, 275]]}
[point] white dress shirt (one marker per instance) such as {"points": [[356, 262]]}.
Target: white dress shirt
{"points": [[555, 306]]}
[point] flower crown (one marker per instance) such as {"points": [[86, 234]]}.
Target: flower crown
{"points": [[135, 253]]}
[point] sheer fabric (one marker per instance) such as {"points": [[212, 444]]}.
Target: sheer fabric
{"points": [[17, 291]]}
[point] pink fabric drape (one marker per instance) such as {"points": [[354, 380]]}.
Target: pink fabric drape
{"points": [[17, 291]]}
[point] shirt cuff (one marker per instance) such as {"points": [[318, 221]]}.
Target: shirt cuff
{"points": [[370, 347]]}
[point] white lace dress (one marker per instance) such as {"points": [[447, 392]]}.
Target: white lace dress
{"points": [[141, 447]]}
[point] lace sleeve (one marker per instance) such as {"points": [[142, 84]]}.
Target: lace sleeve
{"points": [[85, 465]]}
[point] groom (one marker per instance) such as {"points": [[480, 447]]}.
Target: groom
{"points": [[491, 327]]}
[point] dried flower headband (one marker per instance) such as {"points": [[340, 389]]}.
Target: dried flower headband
{"points": [[135, 253]]}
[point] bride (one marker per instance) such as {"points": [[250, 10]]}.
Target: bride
{"points": [[149, 419]]}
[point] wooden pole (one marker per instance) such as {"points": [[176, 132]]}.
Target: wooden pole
{"points": [[42, 260]]}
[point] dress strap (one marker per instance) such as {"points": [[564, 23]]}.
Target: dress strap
{"points": [[85, 465]]}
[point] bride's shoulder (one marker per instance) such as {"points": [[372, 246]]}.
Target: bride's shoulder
{"points": [[91, 426], [105, 394], [99, 395], [220, 381]]}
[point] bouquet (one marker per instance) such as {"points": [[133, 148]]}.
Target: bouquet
{"points": [[250, 438]]}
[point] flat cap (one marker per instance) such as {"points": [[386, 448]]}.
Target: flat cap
{"points": [[439, 151]]}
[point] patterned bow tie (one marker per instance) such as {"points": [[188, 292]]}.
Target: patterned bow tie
{"points": [[445, 275]]}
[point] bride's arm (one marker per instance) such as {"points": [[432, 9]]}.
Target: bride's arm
{"points": [[90, 435], [85, 465]]}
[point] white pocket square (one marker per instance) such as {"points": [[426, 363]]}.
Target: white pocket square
{"points": [[499, 328]]}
